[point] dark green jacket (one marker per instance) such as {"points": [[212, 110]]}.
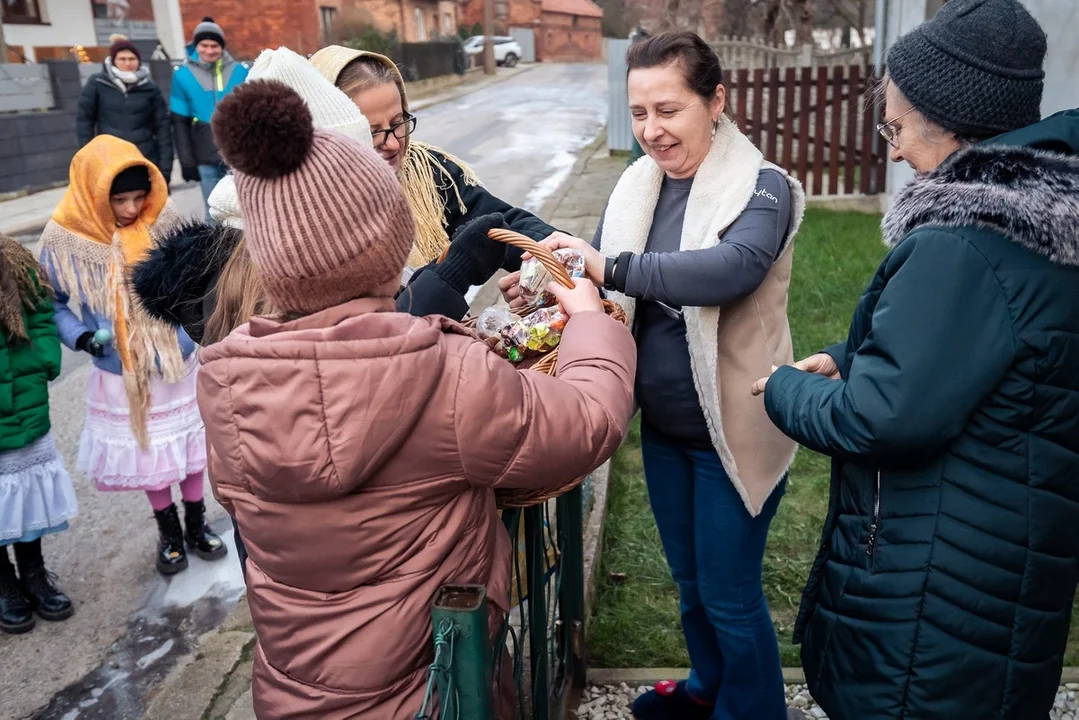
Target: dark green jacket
{"points": [[25, 371], [950, 552]]}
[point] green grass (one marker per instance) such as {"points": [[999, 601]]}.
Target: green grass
{"points": [[636, 623]]}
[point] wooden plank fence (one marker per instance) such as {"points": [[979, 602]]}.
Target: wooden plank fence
{"points": [[815, 123], [25, 87]]}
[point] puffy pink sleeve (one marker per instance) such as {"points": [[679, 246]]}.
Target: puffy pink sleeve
{"points": [[524, 429]]}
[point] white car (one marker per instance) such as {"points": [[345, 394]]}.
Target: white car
{"points": [[507, 50]]}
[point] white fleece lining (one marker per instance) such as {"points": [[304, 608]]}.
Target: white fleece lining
{"points": [[722, 188]]}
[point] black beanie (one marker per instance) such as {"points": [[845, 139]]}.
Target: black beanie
{"points": [[975, 69], [209, 30], [130, 180]]}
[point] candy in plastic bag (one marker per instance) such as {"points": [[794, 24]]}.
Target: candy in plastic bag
{"points": [[535, 278], [493, 321], [535, 334]]}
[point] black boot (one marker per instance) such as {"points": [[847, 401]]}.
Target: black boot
{"points": [[171, 556], [37, 583], [16, 613], [199, 536]]}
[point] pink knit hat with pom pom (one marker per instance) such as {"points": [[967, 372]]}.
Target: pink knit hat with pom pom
{"points": [[325, 218]]}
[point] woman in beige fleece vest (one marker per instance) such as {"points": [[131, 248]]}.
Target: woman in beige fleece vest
{"points": [[696, 245]]}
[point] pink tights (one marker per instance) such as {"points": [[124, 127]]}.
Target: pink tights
{"points": [[190, 489]]}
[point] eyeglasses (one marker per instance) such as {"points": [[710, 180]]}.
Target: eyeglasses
{"points": [[399, 130], [890, 132]]}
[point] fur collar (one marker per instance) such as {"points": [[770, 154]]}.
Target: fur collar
{"points": [[177, 274], [1030, 196]]}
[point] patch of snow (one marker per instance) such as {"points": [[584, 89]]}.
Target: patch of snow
{"points": [[150, 658], [221, 578]]}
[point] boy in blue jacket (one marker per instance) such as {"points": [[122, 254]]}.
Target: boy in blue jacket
{"points": [[209, 74]]}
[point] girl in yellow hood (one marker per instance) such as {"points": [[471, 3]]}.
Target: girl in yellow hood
{"points": [[143, 430]]}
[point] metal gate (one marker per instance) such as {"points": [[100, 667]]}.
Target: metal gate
{"points": [[619, 129], [526, 38]]}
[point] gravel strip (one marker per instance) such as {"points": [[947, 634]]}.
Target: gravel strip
{"points": [[611, 702]]}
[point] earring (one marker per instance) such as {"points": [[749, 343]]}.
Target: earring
{"points": [[715, 128]]}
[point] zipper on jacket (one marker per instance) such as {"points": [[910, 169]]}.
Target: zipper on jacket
{"points": [[876, 519]]}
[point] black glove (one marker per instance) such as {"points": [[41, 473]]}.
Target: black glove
{"points": [[473, 257], [87, 344], [190, 173]]}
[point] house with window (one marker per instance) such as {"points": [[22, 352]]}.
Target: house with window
{"points": [[1059, 19], [411, 20], [36, 30]]}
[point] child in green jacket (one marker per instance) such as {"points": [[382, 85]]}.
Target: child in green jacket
{"points": [[36, 494]]}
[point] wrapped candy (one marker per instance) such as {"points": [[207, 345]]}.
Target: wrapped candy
{"points": [[534, 334], [535, 278], [493, 321]]}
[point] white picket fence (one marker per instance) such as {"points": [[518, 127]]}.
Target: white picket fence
{"points": [[25, 87], [736, 53]]}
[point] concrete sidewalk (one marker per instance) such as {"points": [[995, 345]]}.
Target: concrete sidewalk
{"points": [[27, 214], [215, 682]]}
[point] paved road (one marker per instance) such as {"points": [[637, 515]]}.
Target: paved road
{"points": [[130, 626]]}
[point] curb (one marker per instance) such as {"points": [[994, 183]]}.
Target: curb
{"points": [[650, 676], [583, 156], [194, 688]]}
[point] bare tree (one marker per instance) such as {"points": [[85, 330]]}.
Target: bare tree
{"points": [[802, 11], [850, 14], [669, 18]]}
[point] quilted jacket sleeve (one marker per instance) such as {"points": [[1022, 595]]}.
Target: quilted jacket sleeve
{"points": [[523, 429], [44, 338], [940, 340]]}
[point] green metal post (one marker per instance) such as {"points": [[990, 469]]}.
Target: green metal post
{"points": [[636, 153], [570, 514], [466, 694], [537, 612]]}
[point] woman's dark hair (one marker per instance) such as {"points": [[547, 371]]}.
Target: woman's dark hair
{"points": [[695, 58]]}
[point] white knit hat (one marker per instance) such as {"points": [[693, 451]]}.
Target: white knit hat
{"points": [[330, 108], [225, 204]]}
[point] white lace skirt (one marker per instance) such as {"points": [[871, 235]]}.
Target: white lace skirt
{"points": [[110, 455], [36, 494]]}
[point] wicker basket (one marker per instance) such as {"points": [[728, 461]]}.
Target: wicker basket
{"points": [[517, 498]]}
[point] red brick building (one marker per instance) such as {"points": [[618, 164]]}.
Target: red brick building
{"points": [[307, 25], [570, 31], [565, 30], [253, 25]]}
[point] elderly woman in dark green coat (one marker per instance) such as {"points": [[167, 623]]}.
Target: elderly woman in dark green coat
{"points": [[950, 552], [36, 495]]}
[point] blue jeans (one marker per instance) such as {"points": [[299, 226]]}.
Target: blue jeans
{"points": [[209, 177], [716, 553]]}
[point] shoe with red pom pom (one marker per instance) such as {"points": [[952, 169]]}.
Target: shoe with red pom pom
{"points": [[670, 701]]}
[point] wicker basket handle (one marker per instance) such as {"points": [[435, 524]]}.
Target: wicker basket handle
{"points": [[540, 252]]}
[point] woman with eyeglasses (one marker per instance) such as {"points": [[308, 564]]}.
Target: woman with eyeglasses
{"points": [[948, 560], [442, 190]]}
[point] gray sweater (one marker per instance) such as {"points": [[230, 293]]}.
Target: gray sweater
{"points": [[664, 279]]}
